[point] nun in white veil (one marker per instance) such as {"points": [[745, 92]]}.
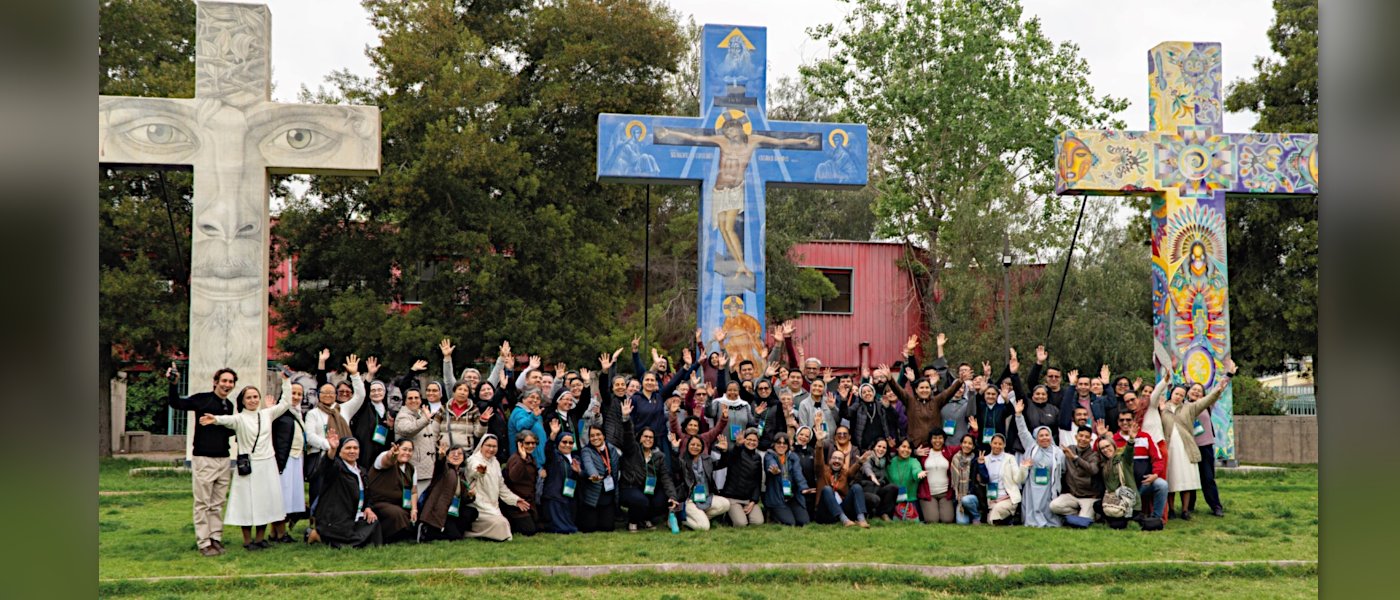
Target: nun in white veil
{"points": [[484, 473]]}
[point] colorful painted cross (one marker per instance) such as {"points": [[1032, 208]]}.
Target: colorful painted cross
{"points": [[734, 152], [232, 135], [1188, 165]]}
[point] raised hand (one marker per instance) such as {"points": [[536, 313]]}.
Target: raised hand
{"points": [[718, 334], [332, 439], [675, 441], [940, 340], [604, 361], [627, 407], [553, 428], [724, 413], [828, 374], [1026, 463], [1073, 376], [505, 349], [586, 376], [770, 370], [559, 369], [910, 345], [699, 335], [1137, 383], [173, 373], [722, 442], [673, 404], [321, 358], [972, 421], [777, 334], [1020, 406], [535, 362], [419, 365], [636, 341], [1229, 364], [486, 414], [686, 357], [986, 368], [788, 328], [1104, 374], [1040, 354], [1068, 453], [446, 347], [982, 458], [372, 366], [1101, 428], [710, 389], [762, 407], [352, 364], [1014, 364]]}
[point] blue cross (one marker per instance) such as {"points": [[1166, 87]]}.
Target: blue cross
{"points": [[733, 152]]}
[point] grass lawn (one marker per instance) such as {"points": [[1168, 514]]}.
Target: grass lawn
{"points": [[1271, 516]]}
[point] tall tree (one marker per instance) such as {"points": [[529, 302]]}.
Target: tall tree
{"points": [[145, 48], [1273, 243], [965, 96]]}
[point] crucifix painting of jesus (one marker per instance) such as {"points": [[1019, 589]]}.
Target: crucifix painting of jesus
{"points": [[734, 153], [736, 142]]}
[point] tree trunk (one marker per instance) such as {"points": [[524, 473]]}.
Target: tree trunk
{"points": [[105, 371]]}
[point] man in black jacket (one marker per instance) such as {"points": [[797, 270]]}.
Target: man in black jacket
{"points": [[210, 464]]}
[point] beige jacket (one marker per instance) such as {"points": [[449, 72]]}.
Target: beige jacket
{"points": [[1181, 420]]}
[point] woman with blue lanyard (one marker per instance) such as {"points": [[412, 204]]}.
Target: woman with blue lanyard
{"points": [[782, 490], [601, 460], [562, 475]]}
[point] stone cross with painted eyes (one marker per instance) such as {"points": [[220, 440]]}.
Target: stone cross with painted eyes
{"points": [[232, 135]]}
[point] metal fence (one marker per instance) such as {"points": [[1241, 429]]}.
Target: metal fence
{"points": [[1298, 400]]}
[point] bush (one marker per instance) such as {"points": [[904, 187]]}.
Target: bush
{"points": [[1252, 398]]}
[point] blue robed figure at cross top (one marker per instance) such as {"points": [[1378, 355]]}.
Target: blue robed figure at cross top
{"points": [[733, 152]]}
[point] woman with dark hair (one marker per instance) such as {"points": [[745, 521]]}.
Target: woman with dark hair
{"points": [[925, 409], [484, 476], [343, 517], [802, 450], [995, 417], [697, 482], [563, 473], [459, 421], [782, 490], [905, 474], [965, 483], [1004, 476], [684, 427], [448, 508], [255, 498], [392, 491], [1180, 418], [488, 402], [521, 475], [647, 490], [744, 480], [874, 477], [601, 461]]}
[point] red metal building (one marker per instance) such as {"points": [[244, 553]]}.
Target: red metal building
{"points": [[877, 305]]}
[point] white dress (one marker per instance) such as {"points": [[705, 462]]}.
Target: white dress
{"points": [[1182, 474], [255, 499]]}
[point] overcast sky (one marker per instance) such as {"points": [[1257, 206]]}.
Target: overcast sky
{"points": [[311, 39]]}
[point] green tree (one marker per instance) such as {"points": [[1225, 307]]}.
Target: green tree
{"points": [[487, 214], [965, 98], [1273, 243], [145, 48]]}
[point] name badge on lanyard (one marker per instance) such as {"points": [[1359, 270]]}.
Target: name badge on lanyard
{"points": [[360, 505], [455, 509], [949, 426], [381, 434], [787, 488], [407, 499], [1042, 475], [569, 486], [733, 432], [650, 487], [1198, 428], [993, 491], [761, 426], [987, 435], [608, 484], [700, 494], [903, 494]]}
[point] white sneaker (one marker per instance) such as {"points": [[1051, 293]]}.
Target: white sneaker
{"points": [[632, 527]]}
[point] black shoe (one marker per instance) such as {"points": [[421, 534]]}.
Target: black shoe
{"points": [[263, 544], [285, 539], [1218, 511], [1186, 515], [1171, 513], [250, 546]]}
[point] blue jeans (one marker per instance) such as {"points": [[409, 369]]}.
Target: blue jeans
{"points": [[850, 507], [1158, 490], [969, 512]]}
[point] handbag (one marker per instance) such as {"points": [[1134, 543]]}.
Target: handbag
{"points": [[243, 462], [1119, 503]]}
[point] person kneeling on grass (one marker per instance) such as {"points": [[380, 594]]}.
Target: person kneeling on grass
{"points": [[1082, 467], [1004, 477], [343, 518], [697, 481], [839, 498], [484, 475], [447, 508], [1149, 468], [562, 474], [392, 489]]}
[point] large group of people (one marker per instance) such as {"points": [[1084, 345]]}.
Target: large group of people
{"points": [[526, 450]]}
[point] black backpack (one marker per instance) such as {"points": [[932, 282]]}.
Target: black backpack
{"points": [[1151, 524]]}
